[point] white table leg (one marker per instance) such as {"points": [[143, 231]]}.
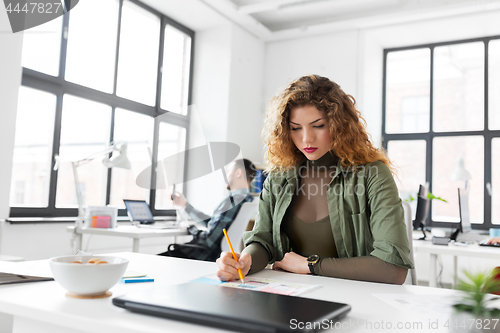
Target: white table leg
{"points": [[135, 247], [455, 268], [432, 271], [78, 241]]}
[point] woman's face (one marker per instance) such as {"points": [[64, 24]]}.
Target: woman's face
{"points": [[310, 132]]}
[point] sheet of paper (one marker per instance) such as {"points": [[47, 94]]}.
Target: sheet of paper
{"points": [[427, 306], [34, 268], [261, 284]]}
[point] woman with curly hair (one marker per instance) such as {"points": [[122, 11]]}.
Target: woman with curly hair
{"points": [[329, 205]]}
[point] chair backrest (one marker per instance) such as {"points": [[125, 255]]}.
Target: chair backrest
{"points": [[411, 278], [239, 225]]}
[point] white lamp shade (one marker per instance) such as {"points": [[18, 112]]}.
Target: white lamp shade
{"points": [[460, 173], [119, 159]]}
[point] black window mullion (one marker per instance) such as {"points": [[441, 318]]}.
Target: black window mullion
{"points": [[155, 167], [487, 179], [113, 109], [190, 101], [488, 223], [55, 152], [117, 51], [384, 140], [64, 46], [56, 142], [111, 140], [159, 73], [430, 137]]}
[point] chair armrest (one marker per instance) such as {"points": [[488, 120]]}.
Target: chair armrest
{"points": [[192, 246]]}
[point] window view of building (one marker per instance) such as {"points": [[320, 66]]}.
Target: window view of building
{"points": [[435, 114], [85, 87]]}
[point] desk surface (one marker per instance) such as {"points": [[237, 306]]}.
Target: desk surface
{"points": [[131, 231], [45, 303], [470, 250]]}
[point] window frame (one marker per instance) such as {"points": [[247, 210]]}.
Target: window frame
{"points": [[487, 134], [58, 86]]}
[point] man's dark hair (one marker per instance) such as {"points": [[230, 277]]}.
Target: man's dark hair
{"points": [[250, 169]]}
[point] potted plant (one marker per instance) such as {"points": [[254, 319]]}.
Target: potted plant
{"points": [[430, 196], [473, 312]]}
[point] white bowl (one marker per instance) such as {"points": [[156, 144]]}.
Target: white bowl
{"points": [[87, 279]]}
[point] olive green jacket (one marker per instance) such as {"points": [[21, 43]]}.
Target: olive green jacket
{"points": [[365, 211]]}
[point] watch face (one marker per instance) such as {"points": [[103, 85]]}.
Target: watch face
{"points": [[313, 259]]}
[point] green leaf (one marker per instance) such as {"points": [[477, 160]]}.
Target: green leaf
{"points": [[431, 196], [476, 287], [410, 199]]}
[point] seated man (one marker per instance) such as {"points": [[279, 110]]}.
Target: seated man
{"points": [[206, 244]]}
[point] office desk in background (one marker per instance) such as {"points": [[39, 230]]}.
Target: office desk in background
{"points": [[42, 307], [471, 250], [128, 231]]}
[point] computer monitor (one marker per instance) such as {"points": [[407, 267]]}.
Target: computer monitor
{"points": [[138, 210], [464, 226], [463, 205], [423, 205]]}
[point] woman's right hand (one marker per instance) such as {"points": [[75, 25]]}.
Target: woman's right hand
{"points": [[228, 267]]}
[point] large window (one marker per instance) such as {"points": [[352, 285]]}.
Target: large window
{"points": [[93, 78], [441, 106]]}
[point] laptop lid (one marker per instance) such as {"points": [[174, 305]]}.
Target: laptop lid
{"points": [[138, 210], [236, 309]]}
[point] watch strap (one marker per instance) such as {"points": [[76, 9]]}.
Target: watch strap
{"points": [[312, 263], [311, 268]]}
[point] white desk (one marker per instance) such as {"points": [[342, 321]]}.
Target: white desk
{"points": [[472, 250], [42, 307], [127, 231]]}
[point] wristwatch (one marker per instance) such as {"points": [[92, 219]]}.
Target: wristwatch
{"points": [[311, 262]]}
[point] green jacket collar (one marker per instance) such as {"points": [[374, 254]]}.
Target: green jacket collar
{"points": [[292, 174]]}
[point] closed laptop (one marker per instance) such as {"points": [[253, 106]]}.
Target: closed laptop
{"points": [[234, 309]]}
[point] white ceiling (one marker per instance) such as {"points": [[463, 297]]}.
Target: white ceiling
{"points": [[272, 20]]}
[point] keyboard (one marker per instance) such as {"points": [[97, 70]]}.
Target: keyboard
{"points": [[485, 243]]}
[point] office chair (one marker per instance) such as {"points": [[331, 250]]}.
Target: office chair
{"points": [[239, 225], [235, 231], [411, 278]]}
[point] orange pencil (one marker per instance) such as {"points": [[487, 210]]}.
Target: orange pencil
{"points": [[234, 254]]}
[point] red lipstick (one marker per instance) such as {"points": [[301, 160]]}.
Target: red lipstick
{"points": [[310, 150]]}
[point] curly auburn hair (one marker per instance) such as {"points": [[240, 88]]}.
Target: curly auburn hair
{"points": [[350, 141]]}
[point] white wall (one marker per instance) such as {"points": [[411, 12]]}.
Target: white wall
{"points": [[209, 114], [227, 94], [246, 106], [331, 55]]}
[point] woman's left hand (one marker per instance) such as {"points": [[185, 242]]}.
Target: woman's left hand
{"points": [[292, 262]]}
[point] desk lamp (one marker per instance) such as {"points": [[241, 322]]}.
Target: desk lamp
{"points": [[460, 173], [118, 160]]}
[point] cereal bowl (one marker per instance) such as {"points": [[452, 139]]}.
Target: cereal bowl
{"points": [[87, 279]]}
